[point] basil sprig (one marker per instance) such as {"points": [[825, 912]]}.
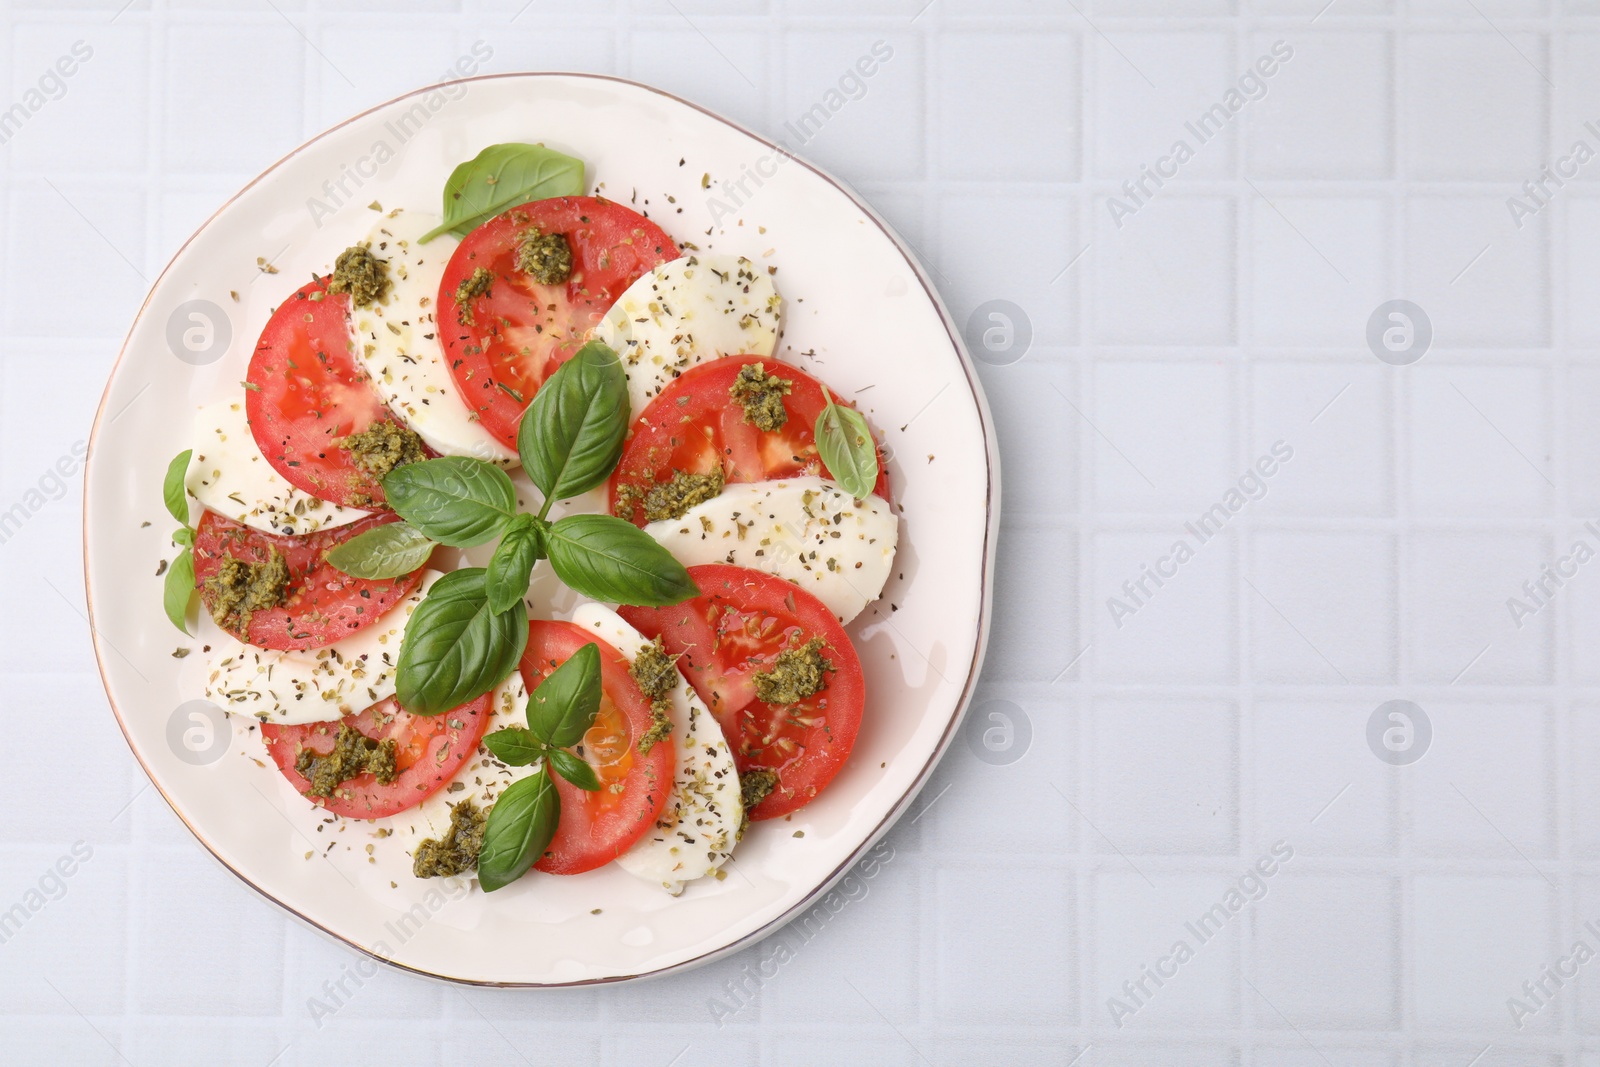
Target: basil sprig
{"points": [[845, 444], [459, 642], [386, 551], [456, 647], [501, 177], [524, 818], [178, 588]]}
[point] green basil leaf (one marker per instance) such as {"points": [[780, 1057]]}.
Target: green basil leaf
{"points": [[610, 560], [845, 444], [520, 827], [457, 501], [173, 490], [386, 551], [501, 177], [571, 435], [178, 589], [511, 566], [183, 536], [456, 649], [563, 706], [574, 769], [514, 746]]}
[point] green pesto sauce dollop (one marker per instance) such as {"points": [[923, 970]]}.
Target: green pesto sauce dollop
{"points": [[383, 446], [361, 274], [761, 395], [458, 852], [656, 674], [479, 284], [353, 754], [797, 674], [544, 257], [673, 498], [755, 785], [241, 588]]}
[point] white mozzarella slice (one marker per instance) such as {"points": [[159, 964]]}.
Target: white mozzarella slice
{"points": [[699, 825], [228, 474], [481, 779], [687, 311], [397, 341], [806, 530], [313, 685]]}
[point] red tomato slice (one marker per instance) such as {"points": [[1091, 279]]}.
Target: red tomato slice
{"points": [[324, 604], [694, 425], [598, 827], [737, 626], [428, 752], [305, 390], [521, 331]]}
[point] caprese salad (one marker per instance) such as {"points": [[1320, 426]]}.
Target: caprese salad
{"points": [[443, 386]]}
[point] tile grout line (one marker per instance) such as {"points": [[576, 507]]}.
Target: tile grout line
{"points": [[1089, 59], [1556, 384], [1399, 461], [1243, 412], [156, 32]]}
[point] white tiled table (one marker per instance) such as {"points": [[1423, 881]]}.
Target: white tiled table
{"points": [[1219, 714]]}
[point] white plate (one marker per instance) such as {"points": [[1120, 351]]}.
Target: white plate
{"points": [[853, 297]]}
